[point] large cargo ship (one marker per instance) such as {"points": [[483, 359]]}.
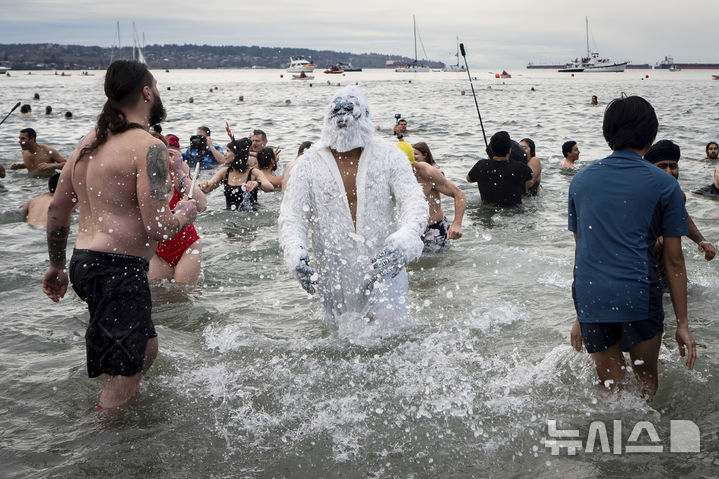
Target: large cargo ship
{"points": [[669, 62]]}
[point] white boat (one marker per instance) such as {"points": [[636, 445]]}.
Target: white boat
{"points": [[414, 67], [592, 62], [4, 70], [457, 67], [300, 64]]}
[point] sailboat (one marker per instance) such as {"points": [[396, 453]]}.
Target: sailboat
{"points": [[457, 67], [136, 46], [414, 67], [592, 62]]}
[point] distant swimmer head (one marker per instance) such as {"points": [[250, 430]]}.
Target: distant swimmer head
{"points": [[347, 123], [52, 182], [407, 150], [712, 150]]}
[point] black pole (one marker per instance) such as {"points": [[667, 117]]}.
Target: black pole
{"points": [[13, 109], [464, 55]]}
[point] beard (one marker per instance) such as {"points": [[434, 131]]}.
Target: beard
{"points": [[713, 155], [157, 112], [346, 131]]}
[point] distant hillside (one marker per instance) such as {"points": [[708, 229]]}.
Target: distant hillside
{"points": [[51, 56]]}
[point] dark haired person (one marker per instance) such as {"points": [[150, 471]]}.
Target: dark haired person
{"points": [[48, 110], [711, 189], [241, 181], [501, 182], [534, 163], [617, 208], [665, 154], [118, 229], [179, 259], [267, 163], [434, 183], [259, 141], [26, 111], [208, 155], [570, 150], [40, 160], [68, 115], [712, 150], [35, 210]]}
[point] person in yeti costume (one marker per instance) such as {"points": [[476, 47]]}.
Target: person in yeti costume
{"points": [[357, 196]]}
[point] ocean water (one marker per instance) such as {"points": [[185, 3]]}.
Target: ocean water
{"points": [[251, 382]]}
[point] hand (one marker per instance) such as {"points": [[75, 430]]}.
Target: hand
{"points": [[54, 283], [575, 337], [454, 232], [17, 166], [209, 142], [305, 274], [250, 185], [188, 209], [389, 261], [277, 155], [708, 249], [687, 346], [203, 185]]}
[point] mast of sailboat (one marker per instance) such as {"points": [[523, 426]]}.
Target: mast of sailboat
{"points": [[134, 40], [586, 21], [457, 52], [414, 25]]}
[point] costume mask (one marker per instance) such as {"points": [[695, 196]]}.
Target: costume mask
{"points": [[347, 125]]}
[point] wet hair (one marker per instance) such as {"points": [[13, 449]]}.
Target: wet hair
{"points": [[261, 133], [629, 122], [241, 149], [500, 144], [30, 133], [424, 149], [48, 110], [25, 108], [663, 150], [265, 157], [710, 144], [303, 146], [530, 142], [517, 153], [206, 129], [157, 128], [124, 81], [36, 96], [567, 147], [52, 182], [68, 114]]}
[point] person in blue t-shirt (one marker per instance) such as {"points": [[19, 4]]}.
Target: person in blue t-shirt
{"points": [[204, 151], [617, 208]]}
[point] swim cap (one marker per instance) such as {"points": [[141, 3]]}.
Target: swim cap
{"points": [[172, 140], [662, 150], [407, 150]]}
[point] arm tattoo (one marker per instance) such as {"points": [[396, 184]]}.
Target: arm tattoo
{"points": [[157, 171], [56, 243]]}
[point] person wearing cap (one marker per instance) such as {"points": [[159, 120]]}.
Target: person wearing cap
{"points": [[210, 156], [433, 182], [665, 154], [179, 258], [501, 182]]}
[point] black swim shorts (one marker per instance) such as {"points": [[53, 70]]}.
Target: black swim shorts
{"points": [[599, 337], [117, 293]]}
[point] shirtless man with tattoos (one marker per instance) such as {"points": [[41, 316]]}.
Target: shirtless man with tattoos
{"points": [[119, 177]]}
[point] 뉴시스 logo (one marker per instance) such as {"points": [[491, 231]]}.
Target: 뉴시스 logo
{"points": [[683, 437]]}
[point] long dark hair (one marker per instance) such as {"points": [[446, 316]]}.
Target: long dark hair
{"points": [[424, 149], [241, 150], [124, 81]]}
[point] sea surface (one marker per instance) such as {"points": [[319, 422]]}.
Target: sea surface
{"points": [[251, 382]]}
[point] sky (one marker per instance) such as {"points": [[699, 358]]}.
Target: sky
{"points": [[496, 34]]}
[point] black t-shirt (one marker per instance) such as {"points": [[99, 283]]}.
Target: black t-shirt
{"points": [[709, 190], [501, 182]]}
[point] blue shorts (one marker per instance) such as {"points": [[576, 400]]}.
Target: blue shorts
{"points": [[599, 337]]}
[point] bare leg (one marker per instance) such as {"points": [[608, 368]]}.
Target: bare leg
{"points": [[610, 366], [645, 356], [159, 269], [187, 270], [117, 390]]}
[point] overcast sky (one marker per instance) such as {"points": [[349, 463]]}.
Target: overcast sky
{"points": [[497, 34]]}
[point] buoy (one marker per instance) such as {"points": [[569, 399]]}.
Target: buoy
{"points": [[646, 76], [572, 75], [281, 75], [496, 75]]}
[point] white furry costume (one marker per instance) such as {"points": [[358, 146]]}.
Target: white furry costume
{"points": [[391, 212]]}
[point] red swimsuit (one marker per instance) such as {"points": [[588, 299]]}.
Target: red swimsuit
{"points": [[173, 249]]}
